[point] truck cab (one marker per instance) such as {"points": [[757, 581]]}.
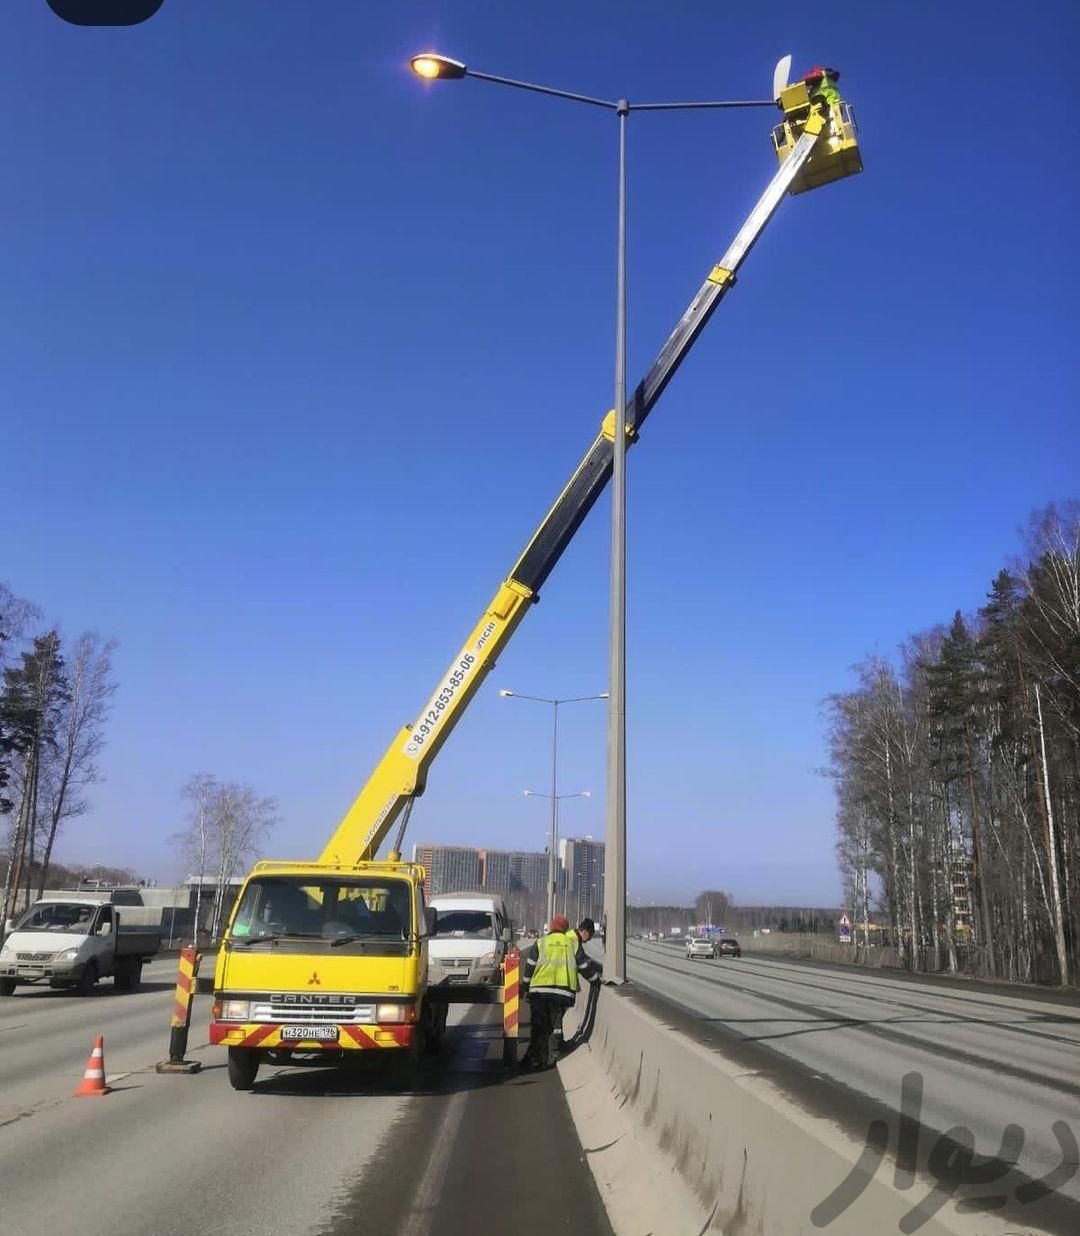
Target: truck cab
{"points": [[325, 960]]}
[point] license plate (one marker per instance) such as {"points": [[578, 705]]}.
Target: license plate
{"points": [[311, 1034]]}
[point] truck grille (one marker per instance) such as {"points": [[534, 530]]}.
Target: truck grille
{"points": [[345, 1014]]}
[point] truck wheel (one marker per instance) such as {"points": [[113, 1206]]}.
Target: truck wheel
{"points": [[432, 1030], [406, 1068], [129, 978], [85, 985], [7, 987], [243, 1067]]}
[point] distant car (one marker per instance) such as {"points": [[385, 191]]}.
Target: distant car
{"points": [[700, 946], [728, 946]]}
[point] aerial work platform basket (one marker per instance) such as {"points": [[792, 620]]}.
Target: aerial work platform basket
{"points": [[837, 154]]}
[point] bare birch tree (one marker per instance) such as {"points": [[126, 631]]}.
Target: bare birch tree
{"points": [[244, 821], [72, 764], [227, 824]]}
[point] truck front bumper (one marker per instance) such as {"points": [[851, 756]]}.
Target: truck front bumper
{"points": [[268, 1035], [449, 974], [31, 972]]}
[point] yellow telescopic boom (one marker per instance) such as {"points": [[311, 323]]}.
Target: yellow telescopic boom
{"points": [[401, 773]]}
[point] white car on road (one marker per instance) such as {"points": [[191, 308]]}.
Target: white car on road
{"points": [[699, 946]]}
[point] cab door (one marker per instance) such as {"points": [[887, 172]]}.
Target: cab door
{"points": [[104, 934]]}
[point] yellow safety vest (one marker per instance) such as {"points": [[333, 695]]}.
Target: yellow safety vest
{"points": [[555, 966], [827, 91]]}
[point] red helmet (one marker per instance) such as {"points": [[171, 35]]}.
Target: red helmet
{"points": [[559, 922], [818, 72]]}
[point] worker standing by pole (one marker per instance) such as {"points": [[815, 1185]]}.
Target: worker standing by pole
{"points": [[550, 979]]}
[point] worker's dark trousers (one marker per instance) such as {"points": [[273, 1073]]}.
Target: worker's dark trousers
{"points": [[546, 1015]]}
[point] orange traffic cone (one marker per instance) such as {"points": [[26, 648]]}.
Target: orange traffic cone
{"points": [[93, 1082]]}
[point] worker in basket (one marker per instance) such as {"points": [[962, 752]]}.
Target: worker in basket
{"points": [[821, 87]]}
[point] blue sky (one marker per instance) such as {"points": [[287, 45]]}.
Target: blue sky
{"points": [[296, 350]]}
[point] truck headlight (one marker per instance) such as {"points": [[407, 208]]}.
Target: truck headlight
{"points": [[395, 1012], [69, 954], [488, 959], [235, 1010]]}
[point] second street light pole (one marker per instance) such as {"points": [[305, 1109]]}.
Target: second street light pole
{"points": [[552, 857], [552, 881]]}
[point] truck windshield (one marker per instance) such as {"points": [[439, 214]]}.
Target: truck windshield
{"points": [[66, 916], [465, 923], [276, 907]]}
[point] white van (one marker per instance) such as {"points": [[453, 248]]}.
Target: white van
{"points": [[72, 942], [471, 937]]}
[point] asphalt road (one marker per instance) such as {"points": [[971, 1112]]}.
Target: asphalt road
{"points": [[987, 1056], [320, 1151]]}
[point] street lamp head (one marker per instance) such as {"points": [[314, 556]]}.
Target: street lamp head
{"points": [[504, 693], [529, 793], [586, 793], [433, 66], [604, 695]]}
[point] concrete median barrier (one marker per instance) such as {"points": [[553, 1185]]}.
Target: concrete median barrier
{"points": [[688, 1135]]}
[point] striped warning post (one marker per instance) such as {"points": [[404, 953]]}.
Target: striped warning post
{"points": [[511, 1000], [185, 988], [186, 978]]}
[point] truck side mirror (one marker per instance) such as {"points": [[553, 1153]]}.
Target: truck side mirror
{"points": [[105, 929], [507, 935], [431, 915]]}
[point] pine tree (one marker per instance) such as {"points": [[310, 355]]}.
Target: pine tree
{"points": [[34, 693], [956, 691]]}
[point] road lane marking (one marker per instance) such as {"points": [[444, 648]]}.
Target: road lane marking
{"points": [[421, 1214], [924, 1046], [958, 1017], [43, 1106]]}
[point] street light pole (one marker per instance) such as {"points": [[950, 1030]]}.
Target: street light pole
{"points": [[435, 66], [615, 834]]}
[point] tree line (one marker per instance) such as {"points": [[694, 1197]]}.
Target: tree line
{"points": [[54, 703], [957, 773], [713, 906]]}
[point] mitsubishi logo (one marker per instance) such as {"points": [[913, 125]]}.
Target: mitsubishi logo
{"points": [[314, 981]]}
